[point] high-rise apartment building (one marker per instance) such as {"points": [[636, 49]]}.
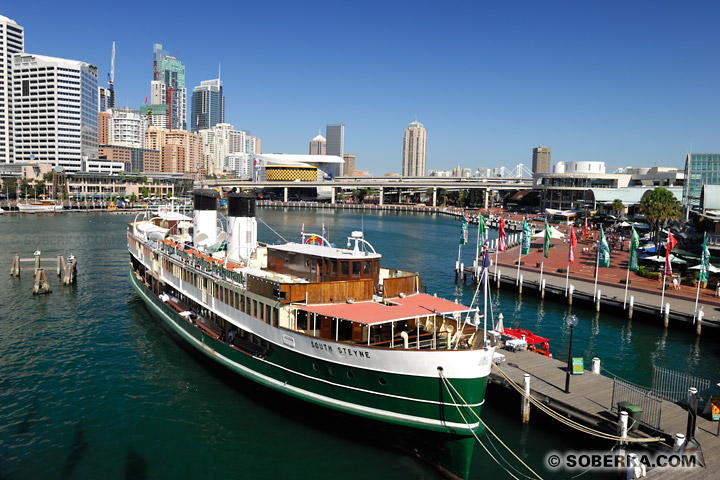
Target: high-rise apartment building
{"points": [[318, 145], [55, 110], [12, 40], [541, 159], [208, 105], [168, 87], [106, 99], [180, 152], [700, 169], [335, 138], [414, 144], [103, 128], [126, 127]]}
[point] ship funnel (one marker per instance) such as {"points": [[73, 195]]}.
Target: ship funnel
{"points": [[242, 226], [205, 217]]}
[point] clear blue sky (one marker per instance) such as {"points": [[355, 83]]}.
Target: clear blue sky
{"points": [[627, 82]]}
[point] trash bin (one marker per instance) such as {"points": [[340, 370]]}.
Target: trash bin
{"points": [[634, 414]]}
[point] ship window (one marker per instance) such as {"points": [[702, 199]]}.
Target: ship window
{"points": [[267, 313], [366, 267], [344, 268], [331, 370], [334, 267], [356, 268], [350, 375], [262, 313], [315, 367], [275, 317], [255, 308], [382, 381]]}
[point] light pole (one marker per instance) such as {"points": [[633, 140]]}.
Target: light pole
{"points": [[572, 320]]}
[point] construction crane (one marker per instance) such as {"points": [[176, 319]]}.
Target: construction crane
{"points": [[111, 79]]}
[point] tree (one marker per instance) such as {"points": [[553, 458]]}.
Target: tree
{"points": [[133, 198], [617, 206], [660, 206], [145, 192]]}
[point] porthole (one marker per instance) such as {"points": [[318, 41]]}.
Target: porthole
{"points": [[382, 381], [331, 370], [315, 367], [350, 375]]}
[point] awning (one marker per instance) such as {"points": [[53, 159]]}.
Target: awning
{"points": [[372, 313]]}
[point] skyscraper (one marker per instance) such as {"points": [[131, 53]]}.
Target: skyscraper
{"points": [[541, 159], [335, 135], [414, 144], [66, 133], [126, 127], [168, 87], [208, 105], [12, 40], [318, 145]]}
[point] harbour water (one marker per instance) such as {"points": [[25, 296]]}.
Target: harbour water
{"points": [[91, 386]]}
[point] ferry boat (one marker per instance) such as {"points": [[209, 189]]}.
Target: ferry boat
{"points": [[326, 325]]}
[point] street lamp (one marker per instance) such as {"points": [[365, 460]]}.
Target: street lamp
{"points": [[572, 320]]}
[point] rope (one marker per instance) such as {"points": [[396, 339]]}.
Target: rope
{"points": [[271, 229], [447, 383], [572, 423]]}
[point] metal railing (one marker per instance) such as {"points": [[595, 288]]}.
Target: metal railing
{"points": [[650, 404], [674, 386]]}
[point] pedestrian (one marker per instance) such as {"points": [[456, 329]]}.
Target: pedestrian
{"points": [[717, 290]]}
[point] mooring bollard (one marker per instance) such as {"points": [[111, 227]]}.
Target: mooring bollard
{"points": [[525, 399], [596, 365], [520, 284], [692, 413], [667, 315], [570, 293], [698, 326], [679, 442], [15, 267], [623, 425], [597, 301], [542, 289], [630, 307]]}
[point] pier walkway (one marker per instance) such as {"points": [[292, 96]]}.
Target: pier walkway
{"points": [[589, 403]]}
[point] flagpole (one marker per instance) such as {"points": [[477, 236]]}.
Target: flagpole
{"points": [[517, 280], [697, 294], [597, 266], [662, 298], [567, 272], [542, 262], [476, 263], [627, 280]]}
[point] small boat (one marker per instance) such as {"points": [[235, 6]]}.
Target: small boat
{"points": [[535, 343], [40, 206]]}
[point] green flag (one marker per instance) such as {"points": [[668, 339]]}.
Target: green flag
{"points": [[481, 224], [546, 245], [634, 245], [705, 262], [527, 233], [604, 253]]}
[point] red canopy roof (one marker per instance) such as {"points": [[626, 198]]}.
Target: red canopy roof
{"points": [[370, 313]]}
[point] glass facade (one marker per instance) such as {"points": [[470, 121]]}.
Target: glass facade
{"points": [[700, 169]]}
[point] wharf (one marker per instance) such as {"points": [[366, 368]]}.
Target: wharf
{"points": [[589, 403]]}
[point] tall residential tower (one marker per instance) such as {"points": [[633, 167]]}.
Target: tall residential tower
{"points": [[208, 105], [168, 87], [12, 40], [541, 159], [414, 144]]}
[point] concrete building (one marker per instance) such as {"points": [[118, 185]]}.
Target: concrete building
{"points": [[156, 115], [335, 140], [126, 127], [106, 99], [541, 159], [12, 40], [180, 151], [349, 159], [240, 165], [103, 128], [330, 165], [208, 105], [168, 87], [220, 141], [132, 158], [414, 145], [318, 145], [55, 110]]}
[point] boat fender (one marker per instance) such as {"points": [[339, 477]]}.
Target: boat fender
{"points": [[404, 336]]}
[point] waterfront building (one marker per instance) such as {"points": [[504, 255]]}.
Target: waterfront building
{"points": [[168, 87], [330, 165], [349, 159], [132, 158], [126, 127], [318, 145], [414, 146], [541, 159], [700, 169], [12, 40], [180, 151], [55, 110], [208, 105], [335, 140]]}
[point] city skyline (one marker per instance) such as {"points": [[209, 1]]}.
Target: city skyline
{"points": [[628, 77]]}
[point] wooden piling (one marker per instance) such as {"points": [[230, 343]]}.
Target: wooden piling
{"points": [[15, 267], [630, 307], [40, 282], [666, 320], [698, 326], [520, 284], [525, 402], [571, 290], [497, 278], [597, 301]]}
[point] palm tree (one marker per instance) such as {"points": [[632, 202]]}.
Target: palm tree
{"points": [[617, 206], [660, 206]]}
